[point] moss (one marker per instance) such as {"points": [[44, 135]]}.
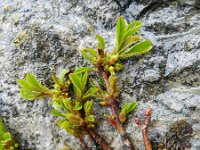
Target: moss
{"points": [[21, 38], [7, 8], [176, 139], [16, 22]]}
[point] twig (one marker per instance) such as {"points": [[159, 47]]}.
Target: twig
{"points": [[98, 139], [144, 128], [83, 144], [115, 110]]}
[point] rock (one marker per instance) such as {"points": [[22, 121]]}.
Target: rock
{"points": [[180, 60], [42, 37], [151, 75]]}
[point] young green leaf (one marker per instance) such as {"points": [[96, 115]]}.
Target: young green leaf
{"points": [[101, 42], [7, 137], [76, 81], [32, 88], [28, 94], [113, 85], [120, 31], [74, 119], [88, 108], [64, 124], [137, 49], [2, 128], [91, 118], [34, 83], [67, 104], [62, 75], [56, 105], [126, 109], [78, 105], [83, 69], [91, 92], [133, 27], [84, 81], [89, 54], [56, 113], [129, 41]]}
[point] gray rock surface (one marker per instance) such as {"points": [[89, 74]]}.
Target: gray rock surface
{"points": [[44, 36]]}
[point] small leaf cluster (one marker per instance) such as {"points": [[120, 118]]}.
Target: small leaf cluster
{"points": [[74, 110], [6, 141], [128, 43]]}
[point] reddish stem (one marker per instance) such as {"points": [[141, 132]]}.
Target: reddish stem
{"points": [[98, 139], [83, 144], [115, 110], [146, 140], [144, 127]]}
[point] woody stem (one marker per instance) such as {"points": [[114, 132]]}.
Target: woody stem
{"points": [[83, 144], [115, 111], [98, 139]]}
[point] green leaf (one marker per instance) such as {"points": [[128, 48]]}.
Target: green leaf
{"points": [[89, 54], [88, 108], [28, 94], [66, 125], [67, 104], [91, 92], [120, 31], [2, 127], [32, 88], [56, 105], [55, 79], [91, 118], [83, 69], [56, 113], [34, 83], [78, 106], [131, 107], [126, 109], [102, 81], [7, 137], [84, 81], [133, 27], [101, 42], [130, 41], [76, 81], [137, 49], [113, 84], [62, 76], [74, 119], [2, 146]]}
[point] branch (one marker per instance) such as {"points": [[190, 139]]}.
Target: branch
{"points": [[115, 111], [98, 139], [144, 127], [83, 144]]}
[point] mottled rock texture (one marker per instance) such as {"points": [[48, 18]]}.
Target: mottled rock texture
{"points": [[43, 36]]}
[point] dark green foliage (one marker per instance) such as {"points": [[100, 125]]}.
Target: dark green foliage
{"points": [[6, 141]]}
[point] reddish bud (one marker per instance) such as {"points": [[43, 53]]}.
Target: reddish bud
{"points": [[148, 112], [111, 120]]}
